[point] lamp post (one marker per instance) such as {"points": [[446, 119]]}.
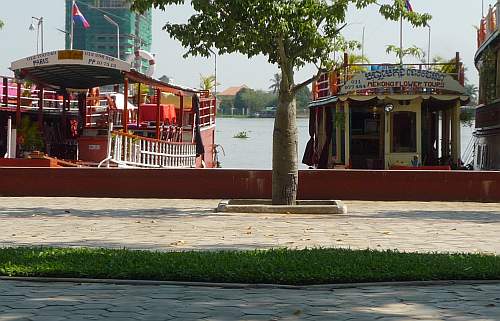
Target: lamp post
{"points": [[215, 85], [429, 47], [67, 34], [111, 21], [39, 27]]}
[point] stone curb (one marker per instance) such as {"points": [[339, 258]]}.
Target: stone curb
{"points": [[322, 287]]}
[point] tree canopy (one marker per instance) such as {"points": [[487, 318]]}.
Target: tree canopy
{"points": [[289, 33]]}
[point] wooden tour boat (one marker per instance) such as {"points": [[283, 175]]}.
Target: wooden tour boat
{"points": [[387, 116], [487, 59], [84, 108]]}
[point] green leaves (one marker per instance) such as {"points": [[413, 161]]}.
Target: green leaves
{"points": [[308, 29], [1, 24]]}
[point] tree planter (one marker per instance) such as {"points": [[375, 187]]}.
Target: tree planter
{"points": [[325, 207]]}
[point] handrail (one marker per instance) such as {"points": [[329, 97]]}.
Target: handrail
{"points": [[128, 150]]}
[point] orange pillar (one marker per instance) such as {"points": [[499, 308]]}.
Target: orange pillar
{"points": [[125, 106], [158, 105]]}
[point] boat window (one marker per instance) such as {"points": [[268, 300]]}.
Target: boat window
{"points": [[404, 132]]}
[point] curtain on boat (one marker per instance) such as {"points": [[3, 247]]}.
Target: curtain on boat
{"points": [[310, 156], [325, 152], [200, 149]]}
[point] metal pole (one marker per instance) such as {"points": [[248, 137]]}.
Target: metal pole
{"points": [[111, 21], [37, 37], [363, 43], [429, 47], [9, 138], [118, 41], [71, 37], [41, 24], [401, 41]]}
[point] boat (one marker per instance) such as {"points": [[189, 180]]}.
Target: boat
{"points": [[387, 117], [89, 109], [487, 131]]}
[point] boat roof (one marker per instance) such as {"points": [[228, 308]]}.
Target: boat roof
{"points": [[81, 69]]}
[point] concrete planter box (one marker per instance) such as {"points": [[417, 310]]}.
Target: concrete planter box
{"points": [[321, 207]]}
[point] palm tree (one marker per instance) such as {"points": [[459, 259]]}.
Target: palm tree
{"points": [[412, 51], [275, 83], [354, 60], [208, 83], [471, 90]]}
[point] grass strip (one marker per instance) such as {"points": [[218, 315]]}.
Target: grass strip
{"points": [[279, 266]]}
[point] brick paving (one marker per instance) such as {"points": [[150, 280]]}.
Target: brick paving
{"points": [[182, 224], [192, 224]]}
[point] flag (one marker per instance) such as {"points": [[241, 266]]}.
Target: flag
{"points": [[408, 6], [78, 16]]}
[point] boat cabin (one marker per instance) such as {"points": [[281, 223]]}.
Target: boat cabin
{"points": [[487, 60], [387, 116], [91, 109]]}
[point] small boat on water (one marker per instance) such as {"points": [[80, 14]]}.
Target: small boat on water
{"points": [[84, 108], [387, 116], [487, 134]]}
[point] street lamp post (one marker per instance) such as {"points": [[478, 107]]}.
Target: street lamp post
{"points": [[215, 85], [39, 30], [429, 47], [67, 34], [111, 21]]}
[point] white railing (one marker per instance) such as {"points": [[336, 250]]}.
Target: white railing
{"points": [[128, 150]]}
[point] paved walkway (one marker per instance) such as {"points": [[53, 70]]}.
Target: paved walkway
{"points": [[181, 224], [184, 224], [66, 301]]}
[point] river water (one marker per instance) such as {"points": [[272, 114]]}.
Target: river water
{"points": [[255, 152]]}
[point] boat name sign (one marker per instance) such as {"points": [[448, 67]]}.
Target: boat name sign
{"points": [[70, 57], [402, 77]]}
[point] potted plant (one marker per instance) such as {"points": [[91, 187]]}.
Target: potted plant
{"points": [[29, 137]]}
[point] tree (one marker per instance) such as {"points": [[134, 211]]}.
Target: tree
{"points": [[291, 34], [275, 83], [412, 51], [1, 24], [472, 91], [253, 100]]}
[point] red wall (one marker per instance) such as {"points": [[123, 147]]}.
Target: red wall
{"points": [[217, 183]]}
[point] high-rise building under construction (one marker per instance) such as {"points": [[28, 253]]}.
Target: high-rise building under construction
{"points": [[101, 36]]}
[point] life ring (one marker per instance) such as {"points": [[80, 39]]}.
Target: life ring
{"points": [[143, 54]]}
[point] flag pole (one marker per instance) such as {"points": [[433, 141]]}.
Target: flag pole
{"points": [[72, 27], [401, 41]]}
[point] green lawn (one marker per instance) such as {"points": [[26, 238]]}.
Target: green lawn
{"points": [[297, 267]]}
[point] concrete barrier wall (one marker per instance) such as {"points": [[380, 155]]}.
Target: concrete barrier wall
{"points": [[226, 183]]}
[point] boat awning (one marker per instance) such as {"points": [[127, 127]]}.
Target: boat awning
{"points": [[323, 102], [80, 69], [71, 69]]}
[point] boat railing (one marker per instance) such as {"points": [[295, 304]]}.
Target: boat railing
{"points": [[127, 150], [102, 109], [26, 97], [488, 25], [208, 110]]}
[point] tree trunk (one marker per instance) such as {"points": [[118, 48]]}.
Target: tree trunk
{"points": [[285, 144]]}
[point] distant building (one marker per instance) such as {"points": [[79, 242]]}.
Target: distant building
{"points": [[135, 29], [232, 91]]}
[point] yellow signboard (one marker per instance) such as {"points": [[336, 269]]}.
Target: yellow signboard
{"points": [[70, 55]]}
